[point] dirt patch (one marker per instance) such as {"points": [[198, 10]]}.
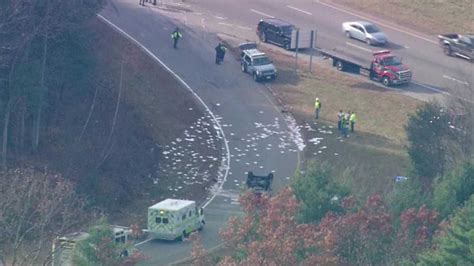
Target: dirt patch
{"points": [[433, 16], [163, 143]]}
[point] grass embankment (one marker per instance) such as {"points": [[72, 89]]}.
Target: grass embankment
{"points": [[369, 159], [430, 16]]}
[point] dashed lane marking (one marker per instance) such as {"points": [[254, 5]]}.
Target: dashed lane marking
{"points": [[456, 80], [261, 13], [300, 10], [225, 24], [244, 28]]}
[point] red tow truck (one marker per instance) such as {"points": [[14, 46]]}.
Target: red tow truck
{"points": [[384, 66]]}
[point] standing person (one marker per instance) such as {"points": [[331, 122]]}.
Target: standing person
{"points": [[339, 119], [344, 126], [176, 35], [352, 120], [220, 53], [317, 107], [141, 2]]}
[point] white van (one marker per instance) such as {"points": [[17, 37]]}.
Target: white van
{"points": [[173, 218]]}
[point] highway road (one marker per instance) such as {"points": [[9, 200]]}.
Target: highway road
{"points": [[256, 131], [432, 69]]}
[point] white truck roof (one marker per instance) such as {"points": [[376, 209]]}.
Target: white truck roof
{"points": [[172, 204]]}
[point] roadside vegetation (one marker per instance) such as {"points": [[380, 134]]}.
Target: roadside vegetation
{"points": [[431, 16]]}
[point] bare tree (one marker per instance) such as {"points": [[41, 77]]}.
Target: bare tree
{"points": [[35, 207]]}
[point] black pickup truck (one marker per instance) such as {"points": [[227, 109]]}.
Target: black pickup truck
{"points": [[459, 45], [259, 184]]}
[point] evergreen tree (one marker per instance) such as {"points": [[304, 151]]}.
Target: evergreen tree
{"points": [[318, 193], [456, 245]]}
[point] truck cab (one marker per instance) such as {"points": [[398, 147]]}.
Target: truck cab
{"points": [[389, 69], [173, 219]]}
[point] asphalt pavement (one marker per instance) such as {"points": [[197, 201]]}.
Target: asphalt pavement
{"points": [[257, 133]]}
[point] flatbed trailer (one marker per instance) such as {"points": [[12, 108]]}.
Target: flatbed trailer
{"points": [[343, 60]]}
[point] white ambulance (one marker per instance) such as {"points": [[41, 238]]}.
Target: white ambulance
{"points": [[173, 218]]}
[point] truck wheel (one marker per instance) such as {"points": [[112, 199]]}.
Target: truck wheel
{"points": [[340, 65], [348, 34], [243, 67], [255, 77], [447, 50], [263, 36], [386, 81], [368, 41]]}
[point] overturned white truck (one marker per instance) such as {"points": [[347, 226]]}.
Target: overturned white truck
{"points": [[173, 219]]}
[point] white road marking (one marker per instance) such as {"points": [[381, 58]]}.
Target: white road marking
{"points": [[406, 47], [429, 88], [378, 22], [261, 13], [245, 28], [184, 5], [143, 242], [221, 18], [300, 10], [456, 80], [225, 24], [226, 161], [359, 47]]}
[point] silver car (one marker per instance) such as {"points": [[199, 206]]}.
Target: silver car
{"points": [[364, 31]]}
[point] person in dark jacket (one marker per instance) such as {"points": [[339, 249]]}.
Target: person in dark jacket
{"points": [[220, 53]]}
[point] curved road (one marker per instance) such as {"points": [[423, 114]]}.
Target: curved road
{"points": [[257, 134]]}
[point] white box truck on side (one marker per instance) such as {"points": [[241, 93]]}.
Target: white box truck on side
{"points": [[173, 218]]}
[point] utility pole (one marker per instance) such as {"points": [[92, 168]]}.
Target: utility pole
{"points": [[313, 42], [296, 51]]}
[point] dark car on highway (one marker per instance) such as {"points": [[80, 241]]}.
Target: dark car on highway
{"points": [[275, 31], [459, 45]]}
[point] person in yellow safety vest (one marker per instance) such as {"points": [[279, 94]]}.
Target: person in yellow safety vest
{"points": [[353, 119], [176, 35], [317, 107], [220, 53]]}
